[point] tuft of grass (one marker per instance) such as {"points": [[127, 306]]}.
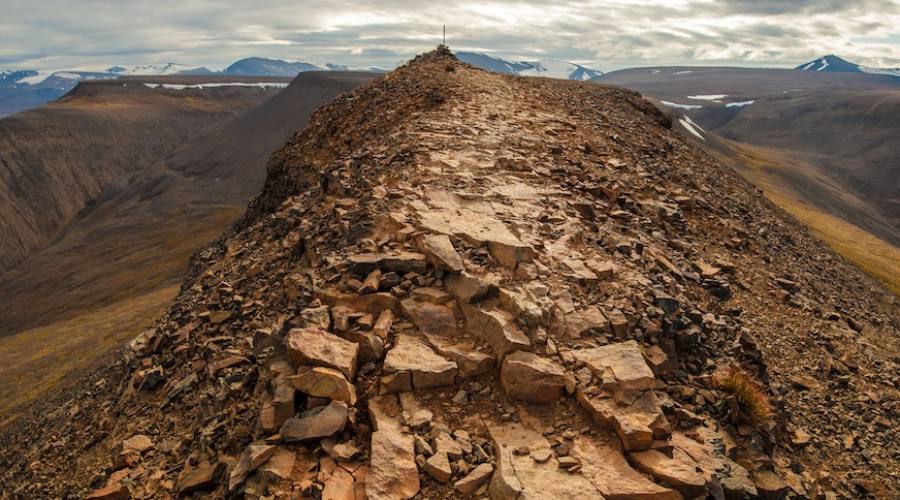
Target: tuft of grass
{"points": [[751, 397]]}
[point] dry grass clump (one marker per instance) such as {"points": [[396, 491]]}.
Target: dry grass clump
{"points": [[750, 395]]}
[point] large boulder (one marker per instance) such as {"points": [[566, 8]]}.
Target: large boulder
{"points": [[618, 367], [322, 382]]}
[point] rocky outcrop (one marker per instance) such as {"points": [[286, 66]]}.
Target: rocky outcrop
{"points": [[424, 296]]}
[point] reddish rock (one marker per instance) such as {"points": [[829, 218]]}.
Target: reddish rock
{"points": [[312, 346]]}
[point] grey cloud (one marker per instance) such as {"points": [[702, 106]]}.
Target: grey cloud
{"points": [[604, 34]]}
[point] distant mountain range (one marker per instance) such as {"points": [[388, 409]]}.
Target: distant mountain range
{"points": [[25, 89], [550, 68], [833, 63]]}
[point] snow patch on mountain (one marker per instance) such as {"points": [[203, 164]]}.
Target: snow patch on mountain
{"points": [[549, 68]]}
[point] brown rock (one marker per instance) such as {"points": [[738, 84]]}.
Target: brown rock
{"points": [[466, 287], [253, 456], [324, 383], [281, 465], [680, 471], [384, 411], [311, 346], [372, 282], [438, 467], [432, 319], [383, 324], [113, 491], [392, 467], [638, 420], [468, 361], [605, 467], [339, 486], [497, 329], [316, 423], [532, 378], [427, 369], [519, 476], [205, 476], [769, 485], [370, 303], [129, 451], [441, 253], [474, 479], [401, 262], [620, 366]]}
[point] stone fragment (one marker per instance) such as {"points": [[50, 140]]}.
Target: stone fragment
{"points": [[478, 229], [679, 471], [251, 459], [656, 359], [466, 287], [372, 282], [344, 452], [339, 486], [384, 411], [205, 476], [432, 319], [115, 490], [311, 346], [282, 401], [575, 268], [532, 378], [469, 362], [769, 485], [438, 467], [584, 322], [128, 452], [603, 269], [324, 383], [441, 253], [316, 423], [620, 366], [638, 422], [281, 465], [401, 262], [497, 329], [427, 369], [392, 467], [383, 324], [474, 479], [370, 303]]}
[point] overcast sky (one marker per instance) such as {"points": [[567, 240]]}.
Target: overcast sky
{"points": [[605, 34]]}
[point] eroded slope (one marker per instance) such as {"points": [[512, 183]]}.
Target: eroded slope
{"points": [[457, 283]]}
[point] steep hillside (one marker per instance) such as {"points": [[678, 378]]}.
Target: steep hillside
{"points": [[58, 158], [95, 284], [457, 283], [821, 145]]}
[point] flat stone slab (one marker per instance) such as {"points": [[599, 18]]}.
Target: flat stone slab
{"points": [[430, 318], [469, 361], [620, 366], [312, 346], [393, 474], [441, 253], [608, 470], [523, 477], [425, 367]]}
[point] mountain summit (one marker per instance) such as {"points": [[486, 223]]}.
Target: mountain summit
{"points": [[459, 283], [833, 63]]}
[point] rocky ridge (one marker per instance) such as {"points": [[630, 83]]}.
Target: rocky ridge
{"points": [[464, 284]]}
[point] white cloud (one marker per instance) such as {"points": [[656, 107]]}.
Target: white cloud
{"points": [[55, 34]]}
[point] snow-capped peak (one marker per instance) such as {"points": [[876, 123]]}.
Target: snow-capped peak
{"points": [[551, 68], [154, 69]]}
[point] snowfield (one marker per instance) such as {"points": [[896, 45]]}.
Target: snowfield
{"points": [[200, 86], [739, 104], [692, 127], [681, 106]]}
